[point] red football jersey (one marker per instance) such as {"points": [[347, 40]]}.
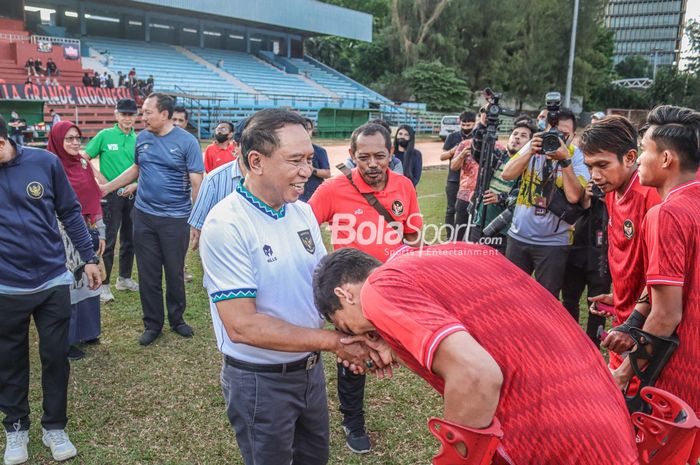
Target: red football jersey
{"points": [[355, 223], [672, 247], [558, 404]]}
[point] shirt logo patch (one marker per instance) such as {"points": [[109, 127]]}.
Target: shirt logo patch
{"points": [[397, 208], [35, 190], [112, 147], [307, 241], [267, 250], [359, 211], [628, 229]]}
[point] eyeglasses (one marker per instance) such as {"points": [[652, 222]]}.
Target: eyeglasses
{"points": [[73, 139]]}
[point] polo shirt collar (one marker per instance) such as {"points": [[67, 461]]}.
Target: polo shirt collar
{"points": [[365, 188], [116, 127], [259, 204]]}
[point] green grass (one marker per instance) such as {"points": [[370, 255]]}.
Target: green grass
{"points": [[130, 405]]}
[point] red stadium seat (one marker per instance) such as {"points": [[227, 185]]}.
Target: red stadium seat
{"points": [[670, 434]]}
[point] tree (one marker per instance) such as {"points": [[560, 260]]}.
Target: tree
{"points": [[436, 85], [412, 21], [633, 66]]}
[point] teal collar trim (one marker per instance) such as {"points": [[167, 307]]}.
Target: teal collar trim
{"points": [[259, 204]]}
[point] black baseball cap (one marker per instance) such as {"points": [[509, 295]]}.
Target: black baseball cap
{"points": [[127, 105]]}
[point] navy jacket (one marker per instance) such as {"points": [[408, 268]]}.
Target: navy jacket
{"points": [[34, 190]]}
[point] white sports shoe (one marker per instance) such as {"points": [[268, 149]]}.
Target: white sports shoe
{"points": [[59, 443], [126, 284], [16, 446], [106, 294]]}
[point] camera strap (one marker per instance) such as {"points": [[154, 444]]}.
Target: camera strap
{"points": [[371, 199]]}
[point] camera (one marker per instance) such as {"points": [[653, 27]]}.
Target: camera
{"points": [[502, 221], [596, 191], [551, 140]]}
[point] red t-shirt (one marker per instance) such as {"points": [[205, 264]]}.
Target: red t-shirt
{"points": [[625, 244], [215, 156], [558, 403], [672, 248], [355, 223]]}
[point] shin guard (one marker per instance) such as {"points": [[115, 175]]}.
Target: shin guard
{"points": [[480, 444]]}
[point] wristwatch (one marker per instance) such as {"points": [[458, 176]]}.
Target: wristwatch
{"points": [[313, 171], [95, 260], [565, 162]]}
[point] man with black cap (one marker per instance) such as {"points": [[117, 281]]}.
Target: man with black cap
{"points": [[115, 148]]}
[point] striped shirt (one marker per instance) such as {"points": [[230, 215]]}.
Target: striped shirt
{"points": [[216, 185]]}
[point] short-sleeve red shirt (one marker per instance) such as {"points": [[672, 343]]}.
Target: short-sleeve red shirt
{"points": [[558, 404], [355, 223], [215, 156], [625, 244], [672, 248]]}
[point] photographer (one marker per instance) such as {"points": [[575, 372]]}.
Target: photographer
{"points": [[496, 198], [467, 120], [587, 266], [539, 239], [468, 173]]}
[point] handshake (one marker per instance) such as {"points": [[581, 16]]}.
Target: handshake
{"points": [[366, 353]]}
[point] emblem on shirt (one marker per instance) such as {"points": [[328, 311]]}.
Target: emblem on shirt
{"points": [[112, 147], [35, 190], [397, 208], [628, 229], [307, 241], [359, 211], [83, 163], [267, 250]]}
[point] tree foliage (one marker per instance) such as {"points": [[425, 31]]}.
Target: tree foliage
{"points": [[633, 66], [517, 46]]}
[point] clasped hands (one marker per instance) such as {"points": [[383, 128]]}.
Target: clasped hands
{"points": [[366, 353]]}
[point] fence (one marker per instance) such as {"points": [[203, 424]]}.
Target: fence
{"points": [[13, 37], [55, 40]]}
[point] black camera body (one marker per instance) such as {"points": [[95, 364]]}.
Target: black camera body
{"points": [[551, 139]]}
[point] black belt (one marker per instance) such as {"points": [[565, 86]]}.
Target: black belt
{"points": [[305, 363]]}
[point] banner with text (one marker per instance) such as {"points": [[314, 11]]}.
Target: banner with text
{"points": [[64, 95]]}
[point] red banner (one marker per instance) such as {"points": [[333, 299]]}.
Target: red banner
{"points": [[64, 95]]}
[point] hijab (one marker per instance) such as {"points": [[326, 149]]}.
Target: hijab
{"points": [[78, 171]]}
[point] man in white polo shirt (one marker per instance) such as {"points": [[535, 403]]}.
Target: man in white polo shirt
{"points": [[259, 248]]}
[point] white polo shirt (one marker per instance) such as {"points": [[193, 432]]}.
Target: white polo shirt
{"points": [[249, 250]]}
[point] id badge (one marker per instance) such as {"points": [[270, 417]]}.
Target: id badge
{"points": [[540, 206]]}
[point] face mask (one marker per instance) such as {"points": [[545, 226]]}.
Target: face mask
{"points": [[465, 132], [541, 124], [403, 143], [221, 138]]}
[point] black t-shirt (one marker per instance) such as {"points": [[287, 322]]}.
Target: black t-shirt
{"points": [[452, 140], [29, 63], [589, 236]]}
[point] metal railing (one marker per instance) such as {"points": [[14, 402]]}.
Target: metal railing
{"points": [[55, 40], [13, 37]]}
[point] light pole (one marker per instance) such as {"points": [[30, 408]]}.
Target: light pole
{"points": [[572, 53]]}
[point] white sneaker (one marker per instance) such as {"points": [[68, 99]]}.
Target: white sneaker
{"points": [[126, 284], [106, 294], [59, 443], [16, 447]]}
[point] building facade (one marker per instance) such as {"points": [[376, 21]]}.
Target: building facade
{"points": [[652, 29]]}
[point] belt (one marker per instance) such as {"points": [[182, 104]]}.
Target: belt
{"points": [[305, 363]]}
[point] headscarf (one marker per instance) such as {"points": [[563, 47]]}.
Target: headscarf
{"points": [[78, 171]]}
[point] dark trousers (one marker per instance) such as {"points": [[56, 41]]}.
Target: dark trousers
{"points": [[351, 394], [451, 189], [161, 244], [118, 220], [51, 312], [461, 220], [576, 280], [547, 261], [279, 418]]}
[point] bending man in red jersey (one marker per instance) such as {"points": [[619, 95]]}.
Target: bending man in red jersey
{"points": [[669, 162], [492, 341]]}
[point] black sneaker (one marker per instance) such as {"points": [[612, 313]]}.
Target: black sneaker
{"points": [[148, 337], [184, 330], [357, 441], [75, 354]]}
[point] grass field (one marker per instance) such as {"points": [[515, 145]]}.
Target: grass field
{"points": [[130, 405]]}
